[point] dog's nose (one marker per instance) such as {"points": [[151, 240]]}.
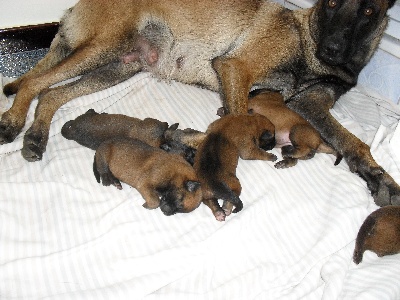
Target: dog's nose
{"points": [[332, 48]]}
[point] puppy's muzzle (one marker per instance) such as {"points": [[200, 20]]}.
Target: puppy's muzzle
{"points": [[267, 140]]}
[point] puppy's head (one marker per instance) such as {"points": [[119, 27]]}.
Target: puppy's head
{"points": [[267, 140], [180, 197], [266, 130]]}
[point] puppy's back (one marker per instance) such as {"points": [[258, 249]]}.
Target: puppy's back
{"points": [[379, 233], [91, 129]]}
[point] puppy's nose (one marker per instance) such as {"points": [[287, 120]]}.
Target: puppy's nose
{"points": [[167, 210]]}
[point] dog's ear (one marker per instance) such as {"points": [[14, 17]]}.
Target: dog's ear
{"points": [[192, 186]]}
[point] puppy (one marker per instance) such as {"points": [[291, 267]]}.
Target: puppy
{"points": [[379, 233], [297, 138], [227, 139], [92, 128], [163, 179]]}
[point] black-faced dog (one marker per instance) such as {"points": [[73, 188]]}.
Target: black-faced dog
{"points": [[293, 134], [227, 139], [163, 179], [312, 56], [379, 233]]}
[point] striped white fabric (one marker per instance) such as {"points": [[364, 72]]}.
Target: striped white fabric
{"points": [[64, 236]]}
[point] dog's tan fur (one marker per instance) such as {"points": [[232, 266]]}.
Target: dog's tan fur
{"points": [[163, 179], [379, 233], [297, 138], [227, 139], [312, 56]]}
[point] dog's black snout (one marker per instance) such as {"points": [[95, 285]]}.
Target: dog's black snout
{"points": [[332, 48]]}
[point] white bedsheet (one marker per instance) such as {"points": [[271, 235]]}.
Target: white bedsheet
{"points": [[64, 236]]}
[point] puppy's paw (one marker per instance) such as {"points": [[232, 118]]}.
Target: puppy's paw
{"points": [[286, 163], [150, 205], [220, 215]]}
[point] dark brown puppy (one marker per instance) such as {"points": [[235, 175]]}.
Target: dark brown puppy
{"points": [[297, 138], [380, 233], [163, 179], [92, 128], [312, 56], [231, 137]]}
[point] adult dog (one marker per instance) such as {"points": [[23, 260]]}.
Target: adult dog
{"points": [[311, 56]]}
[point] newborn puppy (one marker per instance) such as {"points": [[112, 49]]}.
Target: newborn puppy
{"points": [[227, 139], [163, 179], [379, 233], [92, 128], [297, 138]]}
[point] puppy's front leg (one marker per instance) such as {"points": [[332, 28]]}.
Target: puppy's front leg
{"points": [[151, 197]]}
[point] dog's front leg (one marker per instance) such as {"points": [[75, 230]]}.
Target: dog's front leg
{"points": [[314, 106], [50, 100], [235, 83]]}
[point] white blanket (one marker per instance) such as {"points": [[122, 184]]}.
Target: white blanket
{"points": [[64, 236]]}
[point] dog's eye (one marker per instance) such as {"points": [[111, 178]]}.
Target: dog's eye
{"points": [[368, 11], [332, 3]]}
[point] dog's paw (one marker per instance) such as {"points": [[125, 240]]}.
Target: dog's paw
{"points": [[8, 129], [34, 145], [384, 189], [10, 89]]}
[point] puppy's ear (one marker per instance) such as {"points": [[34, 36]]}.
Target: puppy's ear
{"points": [[391, 3], [173, 126], [191, 186]]}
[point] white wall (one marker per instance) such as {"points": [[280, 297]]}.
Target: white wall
{"points": [[14, 13]]}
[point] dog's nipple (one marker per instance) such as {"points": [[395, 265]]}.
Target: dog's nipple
{"points": [[179, 62]]}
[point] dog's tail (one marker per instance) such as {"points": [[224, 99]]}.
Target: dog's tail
{"points": [[222, 191], [366, 230]]}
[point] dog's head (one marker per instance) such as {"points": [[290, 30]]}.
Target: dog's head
{"points": [[180, 197], [348, 30]]}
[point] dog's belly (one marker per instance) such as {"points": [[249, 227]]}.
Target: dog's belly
{"points": [[187, 62]]}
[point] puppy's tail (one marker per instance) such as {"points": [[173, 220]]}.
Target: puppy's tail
{"points": [[366, 230], [222, 191]]}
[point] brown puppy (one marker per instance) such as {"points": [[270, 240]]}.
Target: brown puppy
{"points": [[163, 179], [231, 137], [228, 46], [92, 128], [379, 233], [297, 138]]}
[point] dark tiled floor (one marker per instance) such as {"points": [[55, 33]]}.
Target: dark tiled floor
{"points": [[16, 64], [21, 48]]}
